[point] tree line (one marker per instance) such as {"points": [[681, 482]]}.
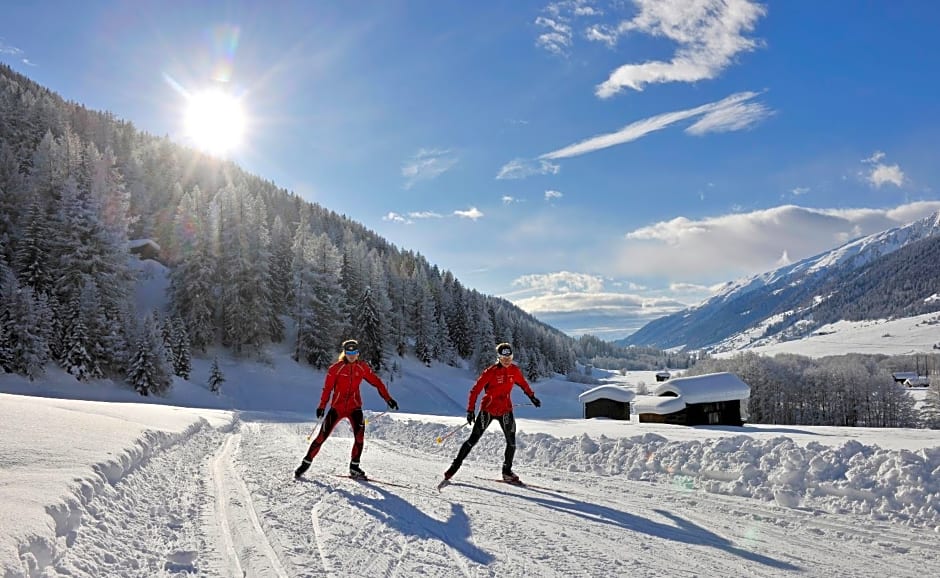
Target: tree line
{"points": [[844, 390]]}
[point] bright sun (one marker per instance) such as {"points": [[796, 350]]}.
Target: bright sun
{"points": [[215, 121]]}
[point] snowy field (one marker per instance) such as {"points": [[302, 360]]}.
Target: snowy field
{"points": [[131, 487]]}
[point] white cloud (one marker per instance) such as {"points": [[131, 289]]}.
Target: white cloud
{"points": [[396, 218], [722, 114], [9, 50], [472, 213], [522, 168], [562, 281], [798, 191], [550, 194], [508, 200], [425, 215], [558, 38], [731, 118], [726, 247], [427, 164], [880, 174], [709, 33]]}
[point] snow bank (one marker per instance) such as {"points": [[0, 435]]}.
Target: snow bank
{"points": [[56, 459], [897, 485]]}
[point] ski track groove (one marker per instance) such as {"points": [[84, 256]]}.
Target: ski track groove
{"points": [[252, 539], [318, 536]]}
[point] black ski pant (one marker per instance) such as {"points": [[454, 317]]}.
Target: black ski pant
{"points": [[506, 421], [326, 428]]}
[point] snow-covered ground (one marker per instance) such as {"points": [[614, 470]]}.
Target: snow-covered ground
{"points": [[126, 486]]}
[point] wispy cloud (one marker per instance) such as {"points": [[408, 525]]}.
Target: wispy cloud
{"points": [[8, 50], [879, 174], [739, 116], [551, 195], [472, 213], [709, 33], [509, 199], [723, 115], [522, 168], [427, 164], [799, 191], [394, 217], [410, 218], [557, 36]]}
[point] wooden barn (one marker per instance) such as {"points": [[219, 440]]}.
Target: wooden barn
{"points": [[711, 399], [610, 401]]}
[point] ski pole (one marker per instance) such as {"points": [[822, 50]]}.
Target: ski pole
{"points": [[440, 439], [515, 405], [315, 426], [376, 416]]}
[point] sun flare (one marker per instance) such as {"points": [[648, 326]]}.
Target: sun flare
{"points": [[215, 121]]}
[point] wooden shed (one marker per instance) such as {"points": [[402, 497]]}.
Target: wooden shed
{"points": [[610, 401], [710, 399]]}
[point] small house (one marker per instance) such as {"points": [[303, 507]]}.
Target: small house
{"points": [[710, 399], [611, 401], [144, 249], [662, 376], [902, 376]]}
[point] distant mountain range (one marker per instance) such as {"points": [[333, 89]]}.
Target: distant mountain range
{"points": [[892, 274]]}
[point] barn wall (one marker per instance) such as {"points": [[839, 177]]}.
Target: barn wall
{"points": [[607, 408]]}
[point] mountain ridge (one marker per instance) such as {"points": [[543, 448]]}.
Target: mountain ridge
{"points": [[786, 301]]}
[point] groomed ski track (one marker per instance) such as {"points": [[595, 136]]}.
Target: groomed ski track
{"points": [[224, 503]]}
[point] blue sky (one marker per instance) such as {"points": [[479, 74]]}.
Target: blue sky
{"points": [[600, 164]]}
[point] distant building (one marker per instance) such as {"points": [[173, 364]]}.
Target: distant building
{"points": [[919, 381], [144, 249], [902, 376], [711, 399], [662, 376], [611, 401]]}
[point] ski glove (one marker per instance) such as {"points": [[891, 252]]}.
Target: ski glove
{"points": [[470, 417], [319, 412], [392, 404], [535, 401]]}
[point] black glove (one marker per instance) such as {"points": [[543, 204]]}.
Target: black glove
{"points": [[392, 404], [319, 412], [470, 417], [535, 401]]}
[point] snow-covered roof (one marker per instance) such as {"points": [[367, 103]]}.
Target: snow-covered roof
{"points": [[902, 375], [614, 392], [659, 405], [706, 388], [136, 243]]}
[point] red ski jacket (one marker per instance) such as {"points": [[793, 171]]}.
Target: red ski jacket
{"points": [[342, 382], [497, 381]]}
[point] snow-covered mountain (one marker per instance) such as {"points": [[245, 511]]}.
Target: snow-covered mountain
{"points": [[792, 301]]}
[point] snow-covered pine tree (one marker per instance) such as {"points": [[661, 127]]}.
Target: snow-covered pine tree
{"points": [[148, 372], [216, 377], [25, 318], [328, 301], [484, 342], [182, 359], [192, 291], [78, 360]]}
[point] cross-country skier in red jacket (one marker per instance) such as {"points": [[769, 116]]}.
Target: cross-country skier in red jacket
{"points": [[496, 382], [342, 383]]}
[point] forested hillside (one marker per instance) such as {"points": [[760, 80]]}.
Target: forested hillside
{"points": [[251, 263]]}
